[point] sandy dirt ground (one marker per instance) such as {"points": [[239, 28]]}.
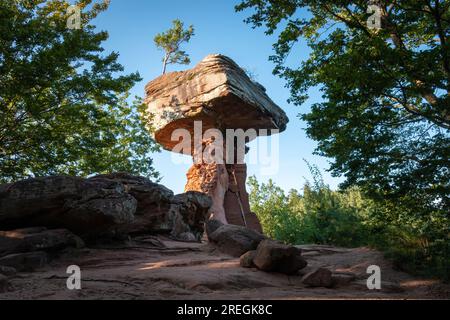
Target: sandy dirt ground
{"points": [[158, 268]]}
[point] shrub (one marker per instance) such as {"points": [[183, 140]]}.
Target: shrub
{"points": [[416, 243]]}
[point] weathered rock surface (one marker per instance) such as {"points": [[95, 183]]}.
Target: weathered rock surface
{"points": [[101, 206], [149, 195], [320, 277], [191, 213], [277, 257], [217, 86], [237, 199], [86, 207], [37, 239], [28, 261], [7, 271], [31, 248], [211, 226], [246, 260], [211, 179], [235, 240], [342, 279], [189, 271]]}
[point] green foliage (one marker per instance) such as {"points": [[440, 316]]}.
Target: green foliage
{"points": [[63, 104], [385, 115], [320, 215], [349, 218], [170, 42]]}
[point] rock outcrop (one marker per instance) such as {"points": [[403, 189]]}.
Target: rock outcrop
{"points": [[216, 95], [190, 212], [99, 207], [88, 207]]}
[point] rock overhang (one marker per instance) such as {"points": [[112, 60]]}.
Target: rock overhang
{"points": [[216, 92]]}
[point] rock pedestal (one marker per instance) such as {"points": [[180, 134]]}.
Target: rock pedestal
{"points": [[225, 184], [236, 204], [218, 95]]}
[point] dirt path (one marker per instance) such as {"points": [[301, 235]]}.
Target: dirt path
{"points": [[150, 269]]}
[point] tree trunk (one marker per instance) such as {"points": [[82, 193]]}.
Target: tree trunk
{"points": [[166, 57]]}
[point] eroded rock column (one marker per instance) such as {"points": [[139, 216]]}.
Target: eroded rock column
{"points": [[211, 179], [236, 202], [226, 185]]}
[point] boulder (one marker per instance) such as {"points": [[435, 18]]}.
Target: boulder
{"points": [[320, 277], [277, 257], [37, 239], [28, 261], [86, 207], [235, 240], [246, 260]]}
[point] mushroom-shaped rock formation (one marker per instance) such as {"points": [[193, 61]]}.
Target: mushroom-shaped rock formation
{"points": [[214, 95]]}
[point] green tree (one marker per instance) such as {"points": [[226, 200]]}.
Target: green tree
{"points": [[170, 42], [63, 104], [385, 114]]}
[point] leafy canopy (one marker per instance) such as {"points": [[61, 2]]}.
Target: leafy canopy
{"points": [[64, 103], [170, 42], [385, 114]]}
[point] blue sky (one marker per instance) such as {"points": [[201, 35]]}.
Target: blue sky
{"points": [[132, 24]]}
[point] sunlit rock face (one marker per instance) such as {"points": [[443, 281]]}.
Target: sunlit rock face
{"points": [[218, 94]]}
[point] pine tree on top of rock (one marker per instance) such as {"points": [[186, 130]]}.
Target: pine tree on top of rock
{"points": [[170, 42]]}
